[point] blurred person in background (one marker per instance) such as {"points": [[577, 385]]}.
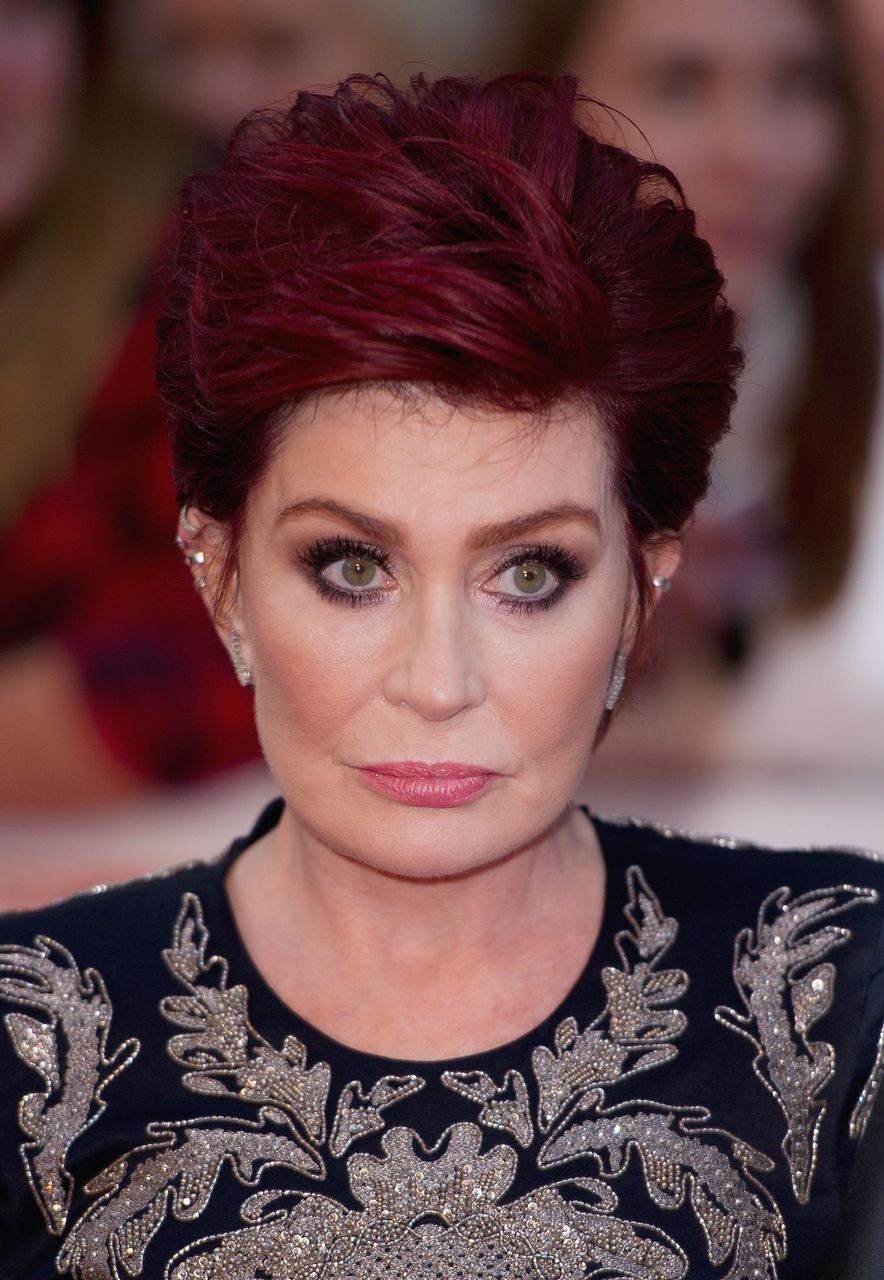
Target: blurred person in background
{"points": [[865, 29], [107, 683], [92, 620], [776, 621], [208, 62]]}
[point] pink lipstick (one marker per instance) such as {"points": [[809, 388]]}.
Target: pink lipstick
{"points": [[435, 786]]}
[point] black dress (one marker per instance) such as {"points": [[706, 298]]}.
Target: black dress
{"points": [[692, 1108]]}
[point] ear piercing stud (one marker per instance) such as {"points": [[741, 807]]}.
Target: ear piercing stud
{"points": [[662, 584]]}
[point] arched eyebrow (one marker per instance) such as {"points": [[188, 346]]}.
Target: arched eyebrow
{"points": [[479, 538]]}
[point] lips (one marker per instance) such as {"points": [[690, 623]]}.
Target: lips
{"points": [[440, 786]]}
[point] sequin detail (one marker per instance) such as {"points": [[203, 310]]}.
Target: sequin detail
{"points": [[221, 1051], [434, 1212], [358, 1113], [69, 1051], [786, 989], [175, 1173], [859, 1118], [683, 1159], [505, 1107], [636, 1030]]}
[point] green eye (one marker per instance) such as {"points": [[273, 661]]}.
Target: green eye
{"points": [[357, 572], [529, 578]]}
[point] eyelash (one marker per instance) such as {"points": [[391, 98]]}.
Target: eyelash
{"points": [[319, 555]]}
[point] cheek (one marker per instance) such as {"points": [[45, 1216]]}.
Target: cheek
{"points": [[547, 685], [312, 679], [810, 159]]}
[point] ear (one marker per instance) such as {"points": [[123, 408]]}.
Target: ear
{"points": [[662, 557], [205, 543]]}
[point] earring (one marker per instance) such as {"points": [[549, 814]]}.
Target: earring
{"points": [[240, 666], [192, 529], [618, 678], [662, 584]]}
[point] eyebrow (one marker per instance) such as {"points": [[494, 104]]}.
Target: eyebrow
{"points": [[479, 538]]}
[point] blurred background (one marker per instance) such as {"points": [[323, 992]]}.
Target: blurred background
{"points": [[126, 744]]}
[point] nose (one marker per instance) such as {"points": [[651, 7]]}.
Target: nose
{"points": [[434, 663]]}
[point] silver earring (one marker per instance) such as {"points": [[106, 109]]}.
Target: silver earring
{"points": [[240, 666], [192, 529], [662, 584], [618, 678]]}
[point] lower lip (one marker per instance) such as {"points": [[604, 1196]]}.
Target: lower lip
{"points": [[428, 793]]}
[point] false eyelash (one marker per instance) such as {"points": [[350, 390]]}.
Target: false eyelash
{"points": [[564, 564], [319, 555]]}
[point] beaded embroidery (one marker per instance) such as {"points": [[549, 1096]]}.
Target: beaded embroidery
{"points": [[223, 1053], [786, 989], [69, 1051], [869, 1092], [437, 1212]]}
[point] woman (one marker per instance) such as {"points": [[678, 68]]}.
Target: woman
{"points": [[446, 372], [87, 181], [760, 121]]}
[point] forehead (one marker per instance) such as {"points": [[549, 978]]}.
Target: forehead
{"points": [[707, 27], [430, 465]]}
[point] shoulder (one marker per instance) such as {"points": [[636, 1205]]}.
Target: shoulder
{"points": [[105, 918], [729, 860]]}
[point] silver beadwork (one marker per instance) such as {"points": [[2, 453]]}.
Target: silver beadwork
{"points": [[240, 666], [618, 678]]}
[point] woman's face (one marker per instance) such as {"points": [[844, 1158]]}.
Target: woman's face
{"points": [[211, 61], [40, 78], [423, 584], [738, 100]]}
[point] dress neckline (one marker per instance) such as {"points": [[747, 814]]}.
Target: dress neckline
{"points": [[276, 1011]]}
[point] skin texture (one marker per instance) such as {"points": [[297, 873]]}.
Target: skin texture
{"points": [[356, 891], [742, 109], [40, 79], [211, 61]]}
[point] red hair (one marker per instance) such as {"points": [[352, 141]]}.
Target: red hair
{"points": [[470, 238]]}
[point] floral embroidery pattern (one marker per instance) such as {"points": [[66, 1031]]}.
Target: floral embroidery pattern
{"points": [[444, 1210], [683, 1159], [786, 989], [635, 1031], [222, 1052], [177, 1171], [358, 1113], [434, 1212], [860, 1116], [68, 1048], [504, 1107]]}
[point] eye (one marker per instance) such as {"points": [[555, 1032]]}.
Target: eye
{"points": [[533, 577], [354, 572], [348, 572], [530, 579]]}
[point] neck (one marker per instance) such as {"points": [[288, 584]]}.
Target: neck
{"points": [[420, 968], [408, 922]]}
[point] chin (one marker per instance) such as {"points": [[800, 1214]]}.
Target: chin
{"points": [[431, 843]]}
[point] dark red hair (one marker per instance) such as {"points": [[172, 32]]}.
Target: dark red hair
{"points": [[470, 238]]}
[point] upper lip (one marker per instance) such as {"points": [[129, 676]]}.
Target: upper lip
{"points": [[421, 769]]}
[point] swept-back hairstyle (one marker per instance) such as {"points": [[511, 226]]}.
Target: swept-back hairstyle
{"points": [[469, 238]]}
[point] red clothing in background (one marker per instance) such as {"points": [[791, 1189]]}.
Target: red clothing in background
{"points": [[92, 565]]}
